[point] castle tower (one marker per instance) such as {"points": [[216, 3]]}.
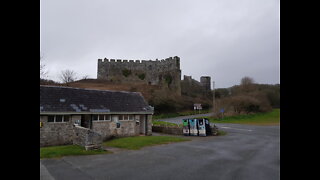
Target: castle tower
{"points": [[206, 82]]}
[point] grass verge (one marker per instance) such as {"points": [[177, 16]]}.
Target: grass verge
{"points": [[221, 133], [139, 142], [69, 150], [163, 123], [269, 118]]}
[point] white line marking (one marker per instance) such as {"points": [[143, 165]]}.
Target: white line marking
{"points": [[236, 128]]}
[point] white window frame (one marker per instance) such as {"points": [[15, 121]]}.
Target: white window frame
{"points": [[128, 117], [55, 117], [104, 117]]}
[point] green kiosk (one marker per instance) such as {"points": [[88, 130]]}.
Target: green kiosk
{"points": [[186, 127]]}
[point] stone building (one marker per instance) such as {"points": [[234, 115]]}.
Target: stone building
{"points": [[77, 116], [165, 72]]}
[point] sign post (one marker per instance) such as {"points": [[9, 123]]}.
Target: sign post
{"points": [[222, 111], [197, 106]]}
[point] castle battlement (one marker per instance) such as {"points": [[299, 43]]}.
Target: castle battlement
{"points": [[171, 62]]}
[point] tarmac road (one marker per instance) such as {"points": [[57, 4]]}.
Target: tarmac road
{"points": [[245, 153]]}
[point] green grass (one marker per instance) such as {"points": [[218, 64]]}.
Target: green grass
{"points": [[221, 133], [69, 150], [269, 118], [139, 142], [163, 123]]}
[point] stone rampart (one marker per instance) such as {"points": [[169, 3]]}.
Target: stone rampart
{"points": [[165, 72]]}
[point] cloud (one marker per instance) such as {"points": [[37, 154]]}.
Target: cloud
{"points": [[225, 39]]}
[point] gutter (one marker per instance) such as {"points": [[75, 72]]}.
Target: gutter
{"points": [[88, 112]]}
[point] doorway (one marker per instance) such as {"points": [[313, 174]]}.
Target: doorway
{"points": [[86, 121], [143, 125]]}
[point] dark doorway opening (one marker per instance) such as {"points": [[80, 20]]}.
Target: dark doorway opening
{"points": [[86, 121]]}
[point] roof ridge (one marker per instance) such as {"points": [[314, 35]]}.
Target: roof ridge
{"points": [[88, 89]]}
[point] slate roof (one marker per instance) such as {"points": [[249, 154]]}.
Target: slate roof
{"points": [[76, 100]]}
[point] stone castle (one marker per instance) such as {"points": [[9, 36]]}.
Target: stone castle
{"points": [[164, 72]]}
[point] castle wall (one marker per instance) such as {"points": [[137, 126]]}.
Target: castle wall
{"points": [[165, 72], [192, 87]]}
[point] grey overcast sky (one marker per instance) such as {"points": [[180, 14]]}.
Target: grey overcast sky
{"points": [[224, 39]]}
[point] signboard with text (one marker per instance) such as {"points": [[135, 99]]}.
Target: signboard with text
{"points": [[197, 106]]}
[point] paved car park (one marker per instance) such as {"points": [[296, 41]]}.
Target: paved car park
{"points": [[245, 153]]}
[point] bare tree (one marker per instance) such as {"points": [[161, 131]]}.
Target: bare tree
{"points": [[43, 71], [246, 81], [68, 76], [86, 77]]}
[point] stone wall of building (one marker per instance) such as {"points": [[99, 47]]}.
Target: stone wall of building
{"points": [[65, 133], [109, 129], [61, 133], [149, 124], [165, 72]]}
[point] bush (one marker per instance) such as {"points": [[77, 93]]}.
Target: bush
{"points": [[168, 79], [245, 103], [141, 76], [126, 72]]}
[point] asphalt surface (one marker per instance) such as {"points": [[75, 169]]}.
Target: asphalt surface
{"points": [[246, 153]]}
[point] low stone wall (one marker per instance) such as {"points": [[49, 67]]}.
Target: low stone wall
{"points": [[168, 130], [86, 137], [178, 130]]}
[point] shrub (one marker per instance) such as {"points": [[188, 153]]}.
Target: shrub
{"points": [[141, 76], [245, 103], [168, 79], [126, 72]]}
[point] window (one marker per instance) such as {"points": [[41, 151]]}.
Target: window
{"points": [[50, 118], [101, 117], [58, 118], [94, 117], [66, 118], [126, 117]]}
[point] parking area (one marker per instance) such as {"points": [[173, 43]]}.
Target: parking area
{"points": [[246, 152]]}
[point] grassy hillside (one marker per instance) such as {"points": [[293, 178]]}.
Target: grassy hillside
{"points": [[268, 118]]}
